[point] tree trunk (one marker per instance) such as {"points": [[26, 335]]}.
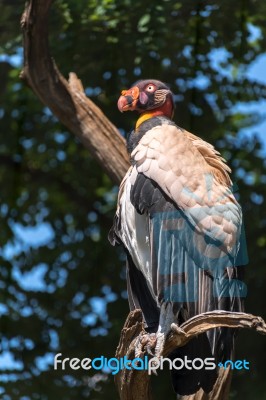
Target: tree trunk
{"points": [[66, 99], [68, 102]]}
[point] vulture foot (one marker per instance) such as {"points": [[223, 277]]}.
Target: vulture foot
{"points": [[150, 343]]}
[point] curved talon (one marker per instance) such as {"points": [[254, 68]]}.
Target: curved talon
{"points": [[176, 328], [151, 344], [159, 344], [139, 347], [146, 342], [144, 339]]}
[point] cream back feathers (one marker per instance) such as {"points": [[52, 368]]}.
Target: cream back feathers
{"points": [[217, 164], [194, 175]]}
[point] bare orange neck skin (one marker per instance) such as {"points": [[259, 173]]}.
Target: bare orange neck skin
{"points": [[166, 110]]}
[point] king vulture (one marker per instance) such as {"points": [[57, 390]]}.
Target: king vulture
{"points": [[180, 226]]}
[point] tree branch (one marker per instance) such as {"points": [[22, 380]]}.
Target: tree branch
{"points": [[134, 385], [69, 104], [67, 100]]}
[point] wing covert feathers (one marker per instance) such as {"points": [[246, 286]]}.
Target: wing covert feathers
{"points": [[194, 175]]}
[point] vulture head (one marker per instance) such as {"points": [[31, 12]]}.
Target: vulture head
{"points": [[147, 96]]}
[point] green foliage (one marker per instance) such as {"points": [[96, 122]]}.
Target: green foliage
{"points": [[49, 180]]}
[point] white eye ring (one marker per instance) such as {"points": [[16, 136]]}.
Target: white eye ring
{"points": [[150, 88]]}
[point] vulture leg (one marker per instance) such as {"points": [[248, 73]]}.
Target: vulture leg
{"points": [[153, 343], [166, 319]]}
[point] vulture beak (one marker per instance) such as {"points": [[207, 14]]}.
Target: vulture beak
{"points": [[128, 99]]}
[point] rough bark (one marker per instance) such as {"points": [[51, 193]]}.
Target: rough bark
{"points": [[134, 385], [81, 116]]}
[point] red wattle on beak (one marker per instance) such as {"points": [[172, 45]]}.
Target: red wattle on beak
{"points": [[128, 99], [122, 103]]}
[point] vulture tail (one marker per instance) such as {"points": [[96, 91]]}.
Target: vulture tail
{"points": [[188, 381]]}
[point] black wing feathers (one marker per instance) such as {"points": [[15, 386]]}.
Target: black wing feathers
{"points": [[139, 296], [147, 196]]}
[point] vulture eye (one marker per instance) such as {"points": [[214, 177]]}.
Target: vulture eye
{"points": [[150, 87]]}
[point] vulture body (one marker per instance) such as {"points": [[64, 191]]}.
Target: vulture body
{"points": [[180, 226]]}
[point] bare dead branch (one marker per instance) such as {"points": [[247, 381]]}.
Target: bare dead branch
{"points": [[134, 384], [67, 100], [81, 116], [210, 320]]}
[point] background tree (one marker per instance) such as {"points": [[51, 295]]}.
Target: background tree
{"points": [[62, 285]]}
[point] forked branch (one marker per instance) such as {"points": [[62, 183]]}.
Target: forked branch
{"points": [[81, 116], [134, 384], [66, 99]]}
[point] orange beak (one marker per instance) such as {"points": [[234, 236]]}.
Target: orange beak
{"points": [[128, 99]]}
